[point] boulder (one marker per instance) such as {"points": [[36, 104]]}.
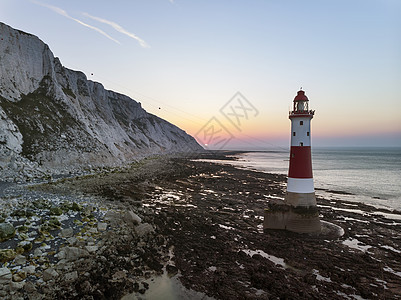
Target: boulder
{"points": [[57, 211], [5, 276], [29, 269], [7, 255], [37, 252], [20, 259], [76, 207], [7, 231], [49, 274], [15, 286], [30, 287], [91, 249], [119, 275], [72, 240], [101, 226], [71, 276], [24, 246], [144, 229], [131, 218], [113, 217], [66, 233], [18, 277], [74, 253]]}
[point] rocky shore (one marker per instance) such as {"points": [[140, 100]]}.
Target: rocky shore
{"points": [[112, 234]]}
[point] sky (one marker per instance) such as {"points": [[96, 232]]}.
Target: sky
{"points": [[227, 72]]}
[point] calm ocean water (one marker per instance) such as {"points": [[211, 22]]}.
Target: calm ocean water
{"points": [[373, 175]]}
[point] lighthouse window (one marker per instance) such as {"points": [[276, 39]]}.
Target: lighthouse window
{"points": [[307, 133], [301, 122], [301, 144], [293, 134]]}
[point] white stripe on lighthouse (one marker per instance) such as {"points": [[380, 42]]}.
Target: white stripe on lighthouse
{"points": [[300, 185]]}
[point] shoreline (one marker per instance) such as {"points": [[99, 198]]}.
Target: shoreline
{"points": [[211, 216], [323, 188]]}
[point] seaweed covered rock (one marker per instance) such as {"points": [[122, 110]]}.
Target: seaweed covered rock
{"points": [[7, 231]]}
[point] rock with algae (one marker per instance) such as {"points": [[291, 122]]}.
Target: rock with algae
{"points": [[7, 231]]}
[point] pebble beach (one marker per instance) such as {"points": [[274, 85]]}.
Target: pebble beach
{"points": [[195, 226]]}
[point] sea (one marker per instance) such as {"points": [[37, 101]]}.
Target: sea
{"points": [[367, 175]]}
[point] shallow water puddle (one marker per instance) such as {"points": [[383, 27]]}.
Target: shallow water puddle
{"points": [[391, 248], [355, 244], [390, 270], [320, 277], [273, 197], [226, 227], [274, 259], [353, 219], [166, 288], [388, 215]]}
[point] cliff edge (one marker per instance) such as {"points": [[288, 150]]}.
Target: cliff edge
{"points": [[53, 119]]}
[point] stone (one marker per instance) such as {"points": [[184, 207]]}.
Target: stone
{"points": [[76, 207], [144, 229], [18, 277], [112, 217], [20, 259], [171, 270], [71, 276], [91, 249], [7, 231], [92, 230], [131, 218], [30, 287], [15, 286], [86, 287], [101, 226], [66, 233], [57, 211], [49, 274], [74, 253], [7, 255], [41, 204], [72, 240], [35, 295], [119, 275], [5, 276], [24, 246], [54, 223], [29, 269], [37, 252]]}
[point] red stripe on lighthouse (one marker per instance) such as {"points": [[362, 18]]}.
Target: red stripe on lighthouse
{"points": [[300, 162]]}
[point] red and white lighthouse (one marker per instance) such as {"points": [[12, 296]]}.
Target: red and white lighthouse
{"points": [[300, 188], [298, 212]]}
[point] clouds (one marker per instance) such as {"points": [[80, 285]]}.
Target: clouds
{"points": [[119, 29], [114, 25]]}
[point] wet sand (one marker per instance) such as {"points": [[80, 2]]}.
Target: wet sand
{"points": [[209, 219]]}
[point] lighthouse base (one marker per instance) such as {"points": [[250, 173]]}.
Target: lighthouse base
{"points": [[300, 199], [301, 219]]}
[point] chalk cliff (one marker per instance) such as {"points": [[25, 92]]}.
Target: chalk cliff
{"points": [[55, 119]]}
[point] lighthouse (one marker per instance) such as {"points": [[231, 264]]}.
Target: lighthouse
{"points": [[300, 188], [298, 212]]}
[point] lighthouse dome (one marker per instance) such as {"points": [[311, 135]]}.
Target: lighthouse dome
{"points": [[301, 96]]}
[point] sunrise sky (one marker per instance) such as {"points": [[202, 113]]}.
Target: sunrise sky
{"points": [[185, 60]]}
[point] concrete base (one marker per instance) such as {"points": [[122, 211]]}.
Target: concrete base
{"points": [[300, 199], [281, 215]]}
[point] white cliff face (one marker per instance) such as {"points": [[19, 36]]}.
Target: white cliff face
{"points": [[53, 118]]}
